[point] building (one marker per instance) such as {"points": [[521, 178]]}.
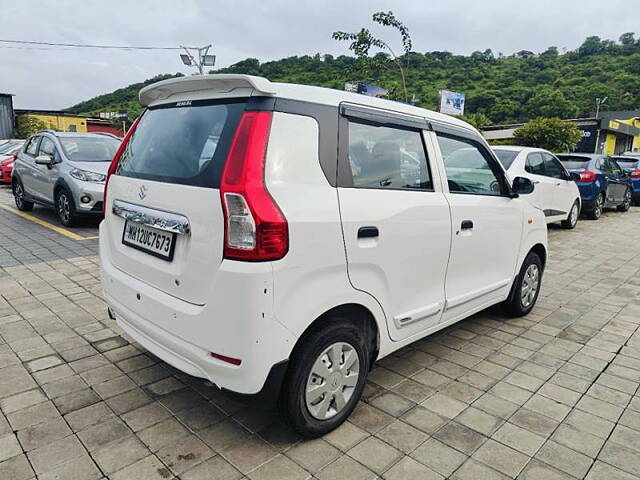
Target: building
{"points": [[611, 133], [101, 125], [6, 115], [56, 119]]}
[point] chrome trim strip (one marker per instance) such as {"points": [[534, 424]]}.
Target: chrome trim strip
{"points": [[167, 221], [467, 297]]}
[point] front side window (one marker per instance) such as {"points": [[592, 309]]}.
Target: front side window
{"points": [[32, 147], [467, 166], [47, 147], [387, 158], [535, 164], [552, 167]]}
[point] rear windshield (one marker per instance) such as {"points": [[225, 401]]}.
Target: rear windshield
{"points": [[89, 149], [182, 144], [626, 162], [506, 157], [574, 162]]}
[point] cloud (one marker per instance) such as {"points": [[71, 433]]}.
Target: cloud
{"points": [[268, 30]]}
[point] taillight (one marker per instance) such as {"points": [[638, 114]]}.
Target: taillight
{"points": [[587, 176], [255, 228], [116, 159], [635, 173]]}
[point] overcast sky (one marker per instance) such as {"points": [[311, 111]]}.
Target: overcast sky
{"points": [[267, 30]]}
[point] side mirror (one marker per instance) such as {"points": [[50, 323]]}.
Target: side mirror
{"points": [[44, 160], [575, 176], [522, 186]]}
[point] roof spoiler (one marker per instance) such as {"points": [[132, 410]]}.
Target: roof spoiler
{"points": [[218, 82]]}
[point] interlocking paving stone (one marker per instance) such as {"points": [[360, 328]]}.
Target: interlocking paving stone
{"points": [[553, 395]]}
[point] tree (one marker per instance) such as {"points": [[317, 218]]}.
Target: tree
{"points": [[363, 41], [28, 125], [627, 38], [549, 133]]}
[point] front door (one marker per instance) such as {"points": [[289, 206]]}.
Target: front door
{"points": [[396, 222], [543, 196], [486, 227], [47, 174]]}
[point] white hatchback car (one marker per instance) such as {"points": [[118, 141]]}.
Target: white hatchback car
{"points": [[278, 239], [556, 193]]}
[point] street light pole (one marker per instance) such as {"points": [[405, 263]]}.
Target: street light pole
{"points": [[203, 59]]}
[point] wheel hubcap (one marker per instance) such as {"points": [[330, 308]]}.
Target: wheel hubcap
{"points": [[63, 207], [19, 194], [627, 198], [530, 284], [332, 380], [599, 206]]}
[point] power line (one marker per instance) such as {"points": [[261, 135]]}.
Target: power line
{"points": [[85, 45]]}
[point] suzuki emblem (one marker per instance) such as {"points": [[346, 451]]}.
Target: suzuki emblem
{"points": [[143, 192]]}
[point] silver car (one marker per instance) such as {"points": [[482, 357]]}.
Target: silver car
{"points": [[64, 170]]}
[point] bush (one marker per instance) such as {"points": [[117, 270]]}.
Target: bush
{"points": [[28, 125], [549, 133]]}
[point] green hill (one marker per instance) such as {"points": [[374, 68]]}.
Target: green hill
{"points": [[506, 89]]}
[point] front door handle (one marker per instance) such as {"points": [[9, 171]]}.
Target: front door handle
{"points": [[466, 225], [368, 232]]}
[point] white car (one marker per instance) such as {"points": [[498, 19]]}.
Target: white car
{"points": [[556, 193], [300, 251]]}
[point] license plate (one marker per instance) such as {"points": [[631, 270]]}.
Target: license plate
{"points": [[151, 240]]}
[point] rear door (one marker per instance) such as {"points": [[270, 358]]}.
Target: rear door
{"points": [[486, 226], [169, 176], [563, 190], [395, 220], [26, 168]]}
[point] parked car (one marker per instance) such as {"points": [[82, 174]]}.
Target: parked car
{"points": [[64, 170], [630, 164], [556, 193], [300, 250], [601, 181], [8, 154]]}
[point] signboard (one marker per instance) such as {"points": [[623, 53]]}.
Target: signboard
{"points": [[113, 115], [451, 103]]}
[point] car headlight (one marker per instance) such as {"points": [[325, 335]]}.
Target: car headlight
{"points": [[86, 176]]}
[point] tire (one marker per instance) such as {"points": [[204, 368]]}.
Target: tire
{"points": [[18, 196], [626, 204], [572, 220], [66, 208], [519, 305], [313, 354], [596, 213]]}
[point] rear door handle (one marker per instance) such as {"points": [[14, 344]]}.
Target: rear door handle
{"points": [[368, 232], [466, 225]]}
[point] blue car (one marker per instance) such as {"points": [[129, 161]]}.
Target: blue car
{"points": [[601, 181], [631, 165]]}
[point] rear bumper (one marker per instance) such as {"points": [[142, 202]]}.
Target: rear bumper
{"points": [[588, 194], [5, 174], [184, 335]]}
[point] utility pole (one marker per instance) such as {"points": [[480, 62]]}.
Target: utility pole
{"points": [[199, 59], [599, 103]]}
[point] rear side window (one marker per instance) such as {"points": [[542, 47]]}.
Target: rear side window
{"points": [[506, 157], [387, 158], [187, 144]]}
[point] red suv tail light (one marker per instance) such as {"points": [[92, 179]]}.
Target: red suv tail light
{"points": [[255, 228], [116, 159], [587, 176], [635, 173]]}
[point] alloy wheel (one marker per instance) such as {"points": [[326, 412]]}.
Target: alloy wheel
{"points": [[18, 193], [599, 205], [627, 199], [530, 285], [64, 208], [332, 380]]}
